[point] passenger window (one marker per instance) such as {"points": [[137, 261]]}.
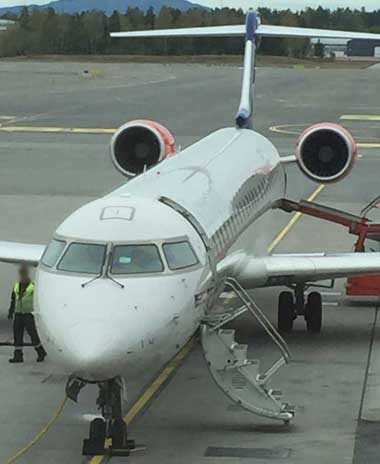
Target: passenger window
{"points": [[83, 258], [136, 259], [179, 255], [53, 252]]}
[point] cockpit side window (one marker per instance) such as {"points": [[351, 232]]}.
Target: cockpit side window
{"points": [[179, 255], [83, 258], [53, 252], [136, 259]]}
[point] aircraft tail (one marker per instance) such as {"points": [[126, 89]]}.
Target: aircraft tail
{"points": [[251, 30]]}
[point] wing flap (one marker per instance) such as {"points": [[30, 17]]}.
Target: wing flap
{"points": [[14, 252]]}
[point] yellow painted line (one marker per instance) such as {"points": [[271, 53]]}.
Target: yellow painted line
{"points": [[39, 435], [109, 131], [55, 130], [288, 129], [150, 392], [360, 117], [369, 145], [285, 231], [284, 129]]}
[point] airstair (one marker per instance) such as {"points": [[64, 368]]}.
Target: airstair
{"points": [[238, 376]]}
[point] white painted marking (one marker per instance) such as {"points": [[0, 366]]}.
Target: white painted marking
{"points": [[90, 417], [371, 400]]}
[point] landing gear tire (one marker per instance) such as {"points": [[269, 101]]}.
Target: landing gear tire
{"points": [[285, 312], [110, 402], [95, 443], [119, 433], [313, 313]]}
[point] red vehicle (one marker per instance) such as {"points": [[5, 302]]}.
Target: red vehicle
{"points": [[368, 234], [368, 241]]}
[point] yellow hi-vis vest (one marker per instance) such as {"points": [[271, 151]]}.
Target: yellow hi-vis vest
{"points": [[24, 302]]}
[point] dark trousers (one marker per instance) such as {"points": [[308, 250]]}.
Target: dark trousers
{"points": [[20, 323]]}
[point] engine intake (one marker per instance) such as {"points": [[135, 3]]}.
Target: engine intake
{"points": [[140, 145], [326, 152]]}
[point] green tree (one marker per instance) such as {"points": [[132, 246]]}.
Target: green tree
{"points": [[114, 22], [149, 19]]}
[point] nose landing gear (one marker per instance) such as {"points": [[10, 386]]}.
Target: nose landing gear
{"points": [[108, 435], [291, 305]]}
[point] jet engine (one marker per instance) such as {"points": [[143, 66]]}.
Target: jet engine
{"points": [[139, 145], [326, 152]]}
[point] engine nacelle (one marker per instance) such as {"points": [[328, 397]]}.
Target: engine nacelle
{"points": [[139, 145], [326, 152]]}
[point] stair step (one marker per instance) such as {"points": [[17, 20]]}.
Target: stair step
{"points": [[228, 336], [238, 376], [276, 394], [290, 408], [240, 353]]}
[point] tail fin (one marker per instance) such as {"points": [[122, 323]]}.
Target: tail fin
{"points": [[245, 112]]}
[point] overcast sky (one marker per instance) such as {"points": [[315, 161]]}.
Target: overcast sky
{"points": [[294, 4]]}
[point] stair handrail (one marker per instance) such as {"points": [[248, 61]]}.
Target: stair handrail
{"points": [[246, 299]]}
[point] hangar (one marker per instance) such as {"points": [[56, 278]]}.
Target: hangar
{"points": [[359, 47]]}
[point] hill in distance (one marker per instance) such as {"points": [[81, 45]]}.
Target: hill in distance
{"points": [[107, 6]]}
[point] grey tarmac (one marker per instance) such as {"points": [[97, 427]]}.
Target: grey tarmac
{"points": [[333, 379]]}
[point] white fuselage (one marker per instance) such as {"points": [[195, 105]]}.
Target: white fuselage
{"points": [[206, 196]]}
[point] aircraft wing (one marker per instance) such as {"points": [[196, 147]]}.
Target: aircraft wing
{"points": [[14, 252], [262, 31], [287, 269]]}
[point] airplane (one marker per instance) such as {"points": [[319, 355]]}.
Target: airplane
{"points": [[128, 279]]}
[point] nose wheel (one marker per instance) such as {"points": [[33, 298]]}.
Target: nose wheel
{"points": [[291, 305], [111, 426]]}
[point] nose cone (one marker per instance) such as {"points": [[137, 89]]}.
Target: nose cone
{"points": [[102, 330], [93, 331], [94, 350]]}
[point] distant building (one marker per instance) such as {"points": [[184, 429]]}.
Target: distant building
{"points": [[5, 23], [332, 47], [360, 47]]}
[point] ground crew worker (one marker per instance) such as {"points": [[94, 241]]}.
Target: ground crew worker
{"points": [[21, 310]]}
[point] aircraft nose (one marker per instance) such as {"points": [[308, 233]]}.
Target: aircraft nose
{"points": [[92, 352]]}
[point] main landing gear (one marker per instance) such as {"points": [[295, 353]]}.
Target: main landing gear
{"points": [[293, 304], [108, 434]]}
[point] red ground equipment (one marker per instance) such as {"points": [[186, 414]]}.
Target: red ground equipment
{"points": [[368, 234]]}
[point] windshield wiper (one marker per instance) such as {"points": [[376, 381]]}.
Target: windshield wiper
{"points": [[122, 286], [91, 280]]}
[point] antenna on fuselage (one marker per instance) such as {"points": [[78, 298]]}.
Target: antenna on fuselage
{"points": [[244, 117]]}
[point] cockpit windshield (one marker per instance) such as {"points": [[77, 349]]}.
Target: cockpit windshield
{"points": [[136, 259], [122, 259], [179, 255], [83, 258], [53, 252]]}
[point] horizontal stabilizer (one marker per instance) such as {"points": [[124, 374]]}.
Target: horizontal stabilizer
{"points": [[262, 31]]}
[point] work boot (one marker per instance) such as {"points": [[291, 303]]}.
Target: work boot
{"points": [[18, 357], [41, 354]]}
